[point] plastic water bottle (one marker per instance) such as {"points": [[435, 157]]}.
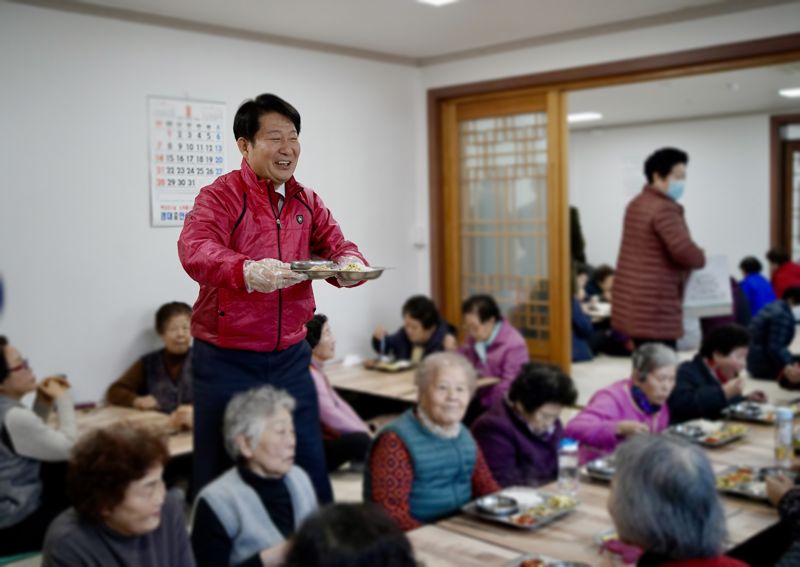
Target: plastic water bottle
{"points": [[784, 442], [568, 467]]}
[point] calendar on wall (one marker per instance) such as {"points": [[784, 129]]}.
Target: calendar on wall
{"points": [[186, 153]]}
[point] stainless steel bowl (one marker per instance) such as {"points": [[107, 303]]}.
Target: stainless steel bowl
{"points": [[497, 505], [315, 269]]}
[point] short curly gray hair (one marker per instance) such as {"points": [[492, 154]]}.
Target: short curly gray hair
{"points": [[248, 412], [652, 356], [431, 365]]}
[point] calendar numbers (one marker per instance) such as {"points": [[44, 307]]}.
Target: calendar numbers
{"points": [[186, 153]]}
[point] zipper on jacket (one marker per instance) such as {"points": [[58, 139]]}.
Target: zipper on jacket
{"points": [[280, 291]]}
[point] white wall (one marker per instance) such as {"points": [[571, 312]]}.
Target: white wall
{"points": [[83, 269], [727, 190]]}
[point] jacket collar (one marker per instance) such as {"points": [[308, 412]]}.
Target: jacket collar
{"points": [[265, 186], [650, 190]]}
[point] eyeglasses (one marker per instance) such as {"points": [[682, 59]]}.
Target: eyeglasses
{"points": [[23, 366]]}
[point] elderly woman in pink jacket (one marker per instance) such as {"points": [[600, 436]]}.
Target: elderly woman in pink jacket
{"points": [[627, 407], [494, 347]]}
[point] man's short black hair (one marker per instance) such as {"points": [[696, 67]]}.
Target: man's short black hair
{"points": [[422, 309], [314, 329], [777, 256], [483, 305], [662, 161], [792, 294], [724, 340], [248, 118], [750, 265], [538, 384]]}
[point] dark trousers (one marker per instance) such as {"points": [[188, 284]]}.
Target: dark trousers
{"points": [[347, 447], [221, 373]]}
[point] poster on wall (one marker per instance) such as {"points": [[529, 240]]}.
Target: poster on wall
{"points": [[186, 153]]}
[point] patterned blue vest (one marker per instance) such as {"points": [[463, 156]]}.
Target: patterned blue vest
{"points": [[442, 468]]}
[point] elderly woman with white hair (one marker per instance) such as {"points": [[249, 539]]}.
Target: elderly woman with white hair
{"points": [[244, 517], [425, 464], [629, 406], [671, 511]]}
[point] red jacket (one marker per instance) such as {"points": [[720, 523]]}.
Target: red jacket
{"points": [[235, 219], [785, 276], [654, 260]]}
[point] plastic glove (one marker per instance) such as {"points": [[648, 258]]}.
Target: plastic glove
{"points": [[269, 274], [351, 264]]}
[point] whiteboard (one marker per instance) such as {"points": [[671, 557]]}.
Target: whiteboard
{"points": [[708, 290]]}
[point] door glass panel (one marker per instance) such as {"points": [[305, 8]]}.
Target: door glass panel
{"points": [[504, 232], [794, 179]]}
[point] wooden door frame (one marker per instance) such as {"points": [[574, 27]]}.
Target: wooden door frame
{"points": [[726, 57], [780, 228]]}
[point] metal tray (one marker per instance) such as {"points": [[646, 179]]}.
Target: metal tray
{"points": [[602, 469], [754, 412], [389, 366], [543, 561], [538, 515], [323, 269], [748, 482], [728, 434]]}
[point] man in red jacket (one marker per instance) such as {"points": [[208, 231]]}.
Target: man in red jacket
{"points": [[249, 318], [785, 273], [655, 256]]}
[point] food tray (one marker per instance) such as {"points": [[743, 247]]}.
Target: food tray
{"points": [[537, 509], [322, 269], [692, 431], [749, 482], [389, 366], [754, 412], [600, 469], [536, 560]]}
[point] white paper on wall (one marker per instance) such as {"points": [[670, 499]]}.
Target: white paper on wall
{"points": [[708, 290], [186, 153]]}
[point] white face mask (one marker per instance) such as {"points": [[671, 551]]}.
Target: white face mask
{"points": [[796, 312]]}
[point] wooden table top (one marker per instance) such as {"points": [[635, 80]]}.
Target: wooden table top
{"points": [[178, 442], [437, 547], [393, 385], [574, 537]]}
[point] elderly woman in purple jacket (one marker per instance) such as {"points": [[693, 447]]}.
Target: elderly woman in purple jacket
{"points": [[627, 407], [494, 347], [520, 433]]}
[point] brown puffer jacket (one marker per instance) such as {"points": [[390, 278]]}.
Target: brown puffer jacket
{"points": [[655, 257]]}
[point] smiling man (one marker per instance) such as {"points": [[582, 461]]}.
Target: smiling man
{"points": [[249, 318]]}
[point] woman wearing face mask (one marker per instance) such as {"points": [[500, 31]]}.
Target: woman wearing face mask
{"points": [[423, 332], [122, 514], [710, 382], [520, 433], [656, 254], [162, 380], [628, 407]]}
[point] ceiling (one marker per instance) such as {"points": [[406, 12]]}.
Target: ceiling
{"points": [[732, 92], [405, 30]]}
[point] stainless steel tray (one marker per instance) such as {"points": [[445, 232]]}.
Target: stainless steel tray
{"points": [[727, 434], [529, 518], [536, 560], [748, 482], [753, 412], [322, 270], [601, 469]]}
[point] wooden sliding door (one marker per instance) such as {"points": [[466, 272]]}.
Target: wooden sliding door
{"points": [[504, 214]]}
